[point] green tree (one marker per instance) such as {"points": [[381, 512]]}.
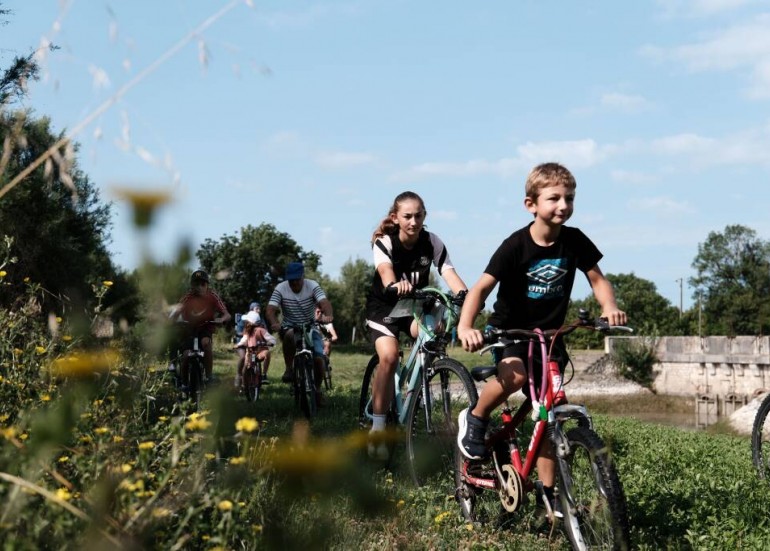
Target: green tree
{"points": [[649, 313], [14, 78], [56, 223], [348, 297], [248, 266], [733, 282]]}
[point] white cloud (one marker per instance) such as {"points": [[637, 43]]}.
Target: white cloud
{"points": [[742, 46], [342, 159], [573, 153], [690, 8], [448, 215], [664, 206], [631, 177], [625, 102]]}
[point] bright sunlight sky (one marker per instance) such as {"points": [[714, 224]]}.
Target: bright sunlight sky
{"points": [[314, 115]]}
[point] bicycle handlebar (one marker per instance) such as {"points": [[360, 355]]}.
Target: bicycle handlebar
{"points": [[430, 293]]}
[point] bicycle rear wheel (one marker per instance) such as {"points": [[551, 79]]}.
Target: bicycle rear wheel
{"points": [[592, 499], [760, 439], [431, 440], [195, 380], [251, 384], [304, 386]]}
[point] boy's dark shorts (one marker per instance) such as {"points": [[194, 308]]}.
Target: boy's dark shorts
{"points": [[520, 350]]}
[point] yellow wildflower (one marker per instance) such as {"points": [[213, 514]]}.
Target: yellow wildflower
{"points": [[400, 503], [441, 516], [246, 424], [209, 456], [26, 279], [45, 397], [40, 349], [58, 319], [66, 338], [163, 418], [144, 203], [125, 468], [117, 439], [257, 528], [3, 273], [147, 445], [237, 460], [85, 439], [63, 459], [84, 363], [197, 422], [225, 505], [161, 512], [18, 351], [101, 430], [63, 494], [23, 436], [4, 417], [107, 283], [9, 432]]}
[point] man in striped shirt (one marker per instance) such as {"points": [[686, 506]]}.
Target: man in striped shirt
{"points": [[297, 298]]}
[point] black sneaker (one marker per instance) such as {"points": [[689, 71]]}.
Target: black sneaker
{"points": [[470, 436], [287, 377], [265, 380]]}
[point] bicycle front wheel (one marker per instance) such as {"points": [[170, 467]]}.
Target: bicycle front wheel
{"points": [[251, 384], [327, 373], [592, 499], [304, 386], [760, 439], [431, 439]]}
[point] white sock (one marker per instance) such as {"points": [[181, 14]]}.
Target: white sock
{"points": [[378, 422]]}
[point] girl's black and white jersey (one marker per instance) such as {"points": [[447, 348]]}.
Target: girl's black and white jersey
{"points": [[412, 265]]}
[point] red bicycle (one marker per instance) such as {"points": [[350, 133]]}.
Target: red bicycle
{"points": [[588, 488]]}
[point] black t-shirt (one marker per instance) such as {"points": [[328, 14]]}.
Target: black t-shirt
{"points": [[413, 265], [536, 282]]}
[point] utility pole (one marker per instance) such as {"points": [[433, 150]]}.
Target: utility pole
{"points": [[681, 294]]}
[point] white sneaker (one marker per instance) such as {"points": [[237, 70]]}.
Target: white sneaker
{"points": [[171, 367]]}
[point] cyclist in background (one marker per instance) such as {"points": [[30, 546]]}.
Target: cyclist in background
{"points": [[253, 332], [297, 298], [403, 254], [328, 332], [240, 323], [202, 309]]}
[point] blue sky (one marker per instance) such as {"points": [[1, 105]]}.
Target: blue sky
{"points": [[313, 116]]}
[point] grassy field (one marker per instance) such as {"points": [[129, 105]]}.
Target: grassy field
{"points": [[114, 462]]}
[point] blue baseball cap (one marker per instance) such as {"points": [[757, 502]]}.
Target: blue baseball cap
{"points": [[253, 305], [295, 270]]}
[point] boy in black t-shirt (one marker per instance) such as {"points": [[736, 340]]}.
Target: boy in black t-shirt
{"points": [[536, 268]]}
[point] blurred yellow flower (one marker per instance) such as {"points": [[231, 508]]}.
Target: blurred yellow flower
{"points": [[26, 280], [257, 528], [84, 363], [237, 460], [107, 283], [18, 351], [63, 459], [3, 273], [66, 338], [63, 494], [86, 439], [101, 430], [40, 349], [144, 203], [58, 319], [161, 512], [147, 445], [163, 418], [125, 468], [9, 432], [45, 397], [4, 417], [469, 527], [241, 504], [225, 505], [197, 422], [441, 516], [400, 503], [23, 436], [246, 424], [209, 456], [117, 439]]}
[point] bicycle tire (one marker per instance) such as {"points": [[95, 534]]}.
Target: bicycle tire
{"points": [[431, 436], [194, 380], [596, 516], [327, 373], [305, 387], [250, 384], [760, 439]]}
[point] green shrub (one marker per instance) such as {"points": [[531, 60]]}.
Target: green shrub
{"points": [[635, 360]]}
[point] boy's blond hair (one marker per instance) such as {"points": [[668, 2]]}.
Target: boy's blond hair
{"points": [[547, 175]]}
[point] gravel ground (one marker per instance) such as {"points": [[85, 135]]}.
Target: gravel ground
{"points": [[602, 384]]}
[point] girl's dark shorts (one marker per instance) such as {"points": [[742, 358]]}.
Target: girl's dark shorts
{"points": [[387, 327]]}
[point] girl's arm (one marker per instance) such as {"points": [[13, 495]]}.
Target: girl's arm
{"points": [[454, 281], [605, 296]]}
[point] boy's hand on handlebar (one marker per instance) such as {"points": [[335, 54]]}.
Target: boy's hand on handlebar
{"points": [[615, 317], [471, 339]]}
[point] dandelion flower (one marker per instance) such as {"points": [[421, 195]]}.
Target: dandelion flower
{"points": [[209, 456], [144, 203], [237, 460], [246, 424], [66, 338], [107, 283], [117, 439], [126, 468], [26, 280], [63, 494], [161, 512], [197, 423], [63, 459], [101, 430], [146, 445], [225, 505], [84, 363], [3, 273], [40, 349], [45, 397], [440, 517]]}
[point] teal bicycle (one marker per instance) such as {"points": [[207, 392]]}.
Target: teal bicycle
{"points": [[430, 388]]}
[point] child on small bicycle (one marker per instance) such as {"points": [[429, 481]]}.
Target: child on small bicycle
{"points": [[536, 268], [403, 254], [253, 333]]}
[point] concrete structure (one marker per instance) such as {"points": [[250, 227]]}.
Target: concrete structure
{"points": [[729, 368]]}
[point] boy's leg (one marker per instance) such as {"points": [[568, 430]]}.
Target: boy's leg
{"points": [[288, 355], [511, 376]]}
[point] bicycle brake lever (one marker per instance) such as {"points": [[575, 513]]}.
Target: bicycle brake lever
{"points": [[489, 347]]}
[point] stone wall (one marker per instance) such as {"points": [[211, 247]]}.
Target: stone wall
{"points": [[713, 366]]}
